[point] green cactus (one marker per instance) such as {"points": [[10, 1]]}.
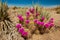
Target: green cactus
{"points": [[45, 14]]}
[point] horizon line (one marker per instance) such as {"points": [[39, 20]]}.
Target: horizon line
{"points": [[47, 6]]}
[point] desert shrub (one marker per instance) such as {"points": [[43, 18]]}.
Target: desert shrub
{"points": [[4, 17]]}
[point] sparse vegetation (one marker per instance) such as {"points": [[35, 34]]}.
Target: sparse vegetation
{"points": [[39, 22], [4, 17], [32, 21]]}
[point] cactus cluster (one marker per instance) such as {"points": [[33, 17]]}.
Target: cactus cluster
{"points": [[38, 22]]}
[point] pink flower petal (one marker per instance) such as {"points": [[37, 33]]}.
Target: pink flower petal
{"points": [[51, 25], [35, 20], [40, 23], [52, 19], [37, 14], [47, 25], [18, 26], [31, 10], [42, 18], [24, 34], [20, 17], [27, 21], [21, 30], [27, 13]]}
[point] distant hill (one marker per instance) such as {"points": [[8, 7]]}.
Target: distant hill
{"points": [[57, 9]]}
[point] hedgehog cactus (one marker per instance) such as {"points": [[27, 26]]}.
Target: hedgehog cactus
{"points": [[37, 23]]}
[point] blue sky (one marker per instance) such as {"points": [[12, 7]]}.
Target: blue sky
{"points": [[29, 2]]}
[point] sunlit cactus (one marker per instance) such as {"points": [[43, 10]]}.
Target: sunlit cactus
{"points": [[3, 11], [45, 14], [4, 17], [36, 19]]}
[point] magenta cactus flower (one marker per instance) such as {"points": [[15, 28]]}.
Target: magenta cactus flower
{"points": [[42, 19], [20, 17], [18, 26], [21, 30], [35, 20], [27, 21], [31, 10], [27, 13], [47, 25], [24, 34], [52, 19], [37, 14], [40, 23], [51, 25], [49, 22]]}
